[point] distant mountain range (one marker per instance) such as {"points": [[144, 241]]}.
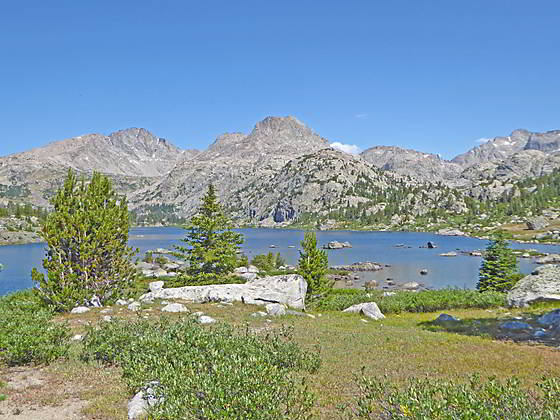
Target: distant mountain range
{"points": [[282, 173]]}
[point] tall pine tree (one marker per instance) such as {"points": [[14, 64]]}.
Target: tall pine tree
{"points": [[499, 268], [87, 244], [212, 245], [313, 266]]}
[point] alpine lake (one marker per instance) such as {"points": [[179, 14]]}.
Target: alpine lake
{"points": [[404, 253]]}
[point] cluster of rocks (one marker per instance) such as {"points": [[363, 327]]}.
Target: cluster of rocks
{"points": [[168, 269], [547, 327], [550, 235], [549, 259], [337, 245], [451, 232], [360, 266], [249, 273]]}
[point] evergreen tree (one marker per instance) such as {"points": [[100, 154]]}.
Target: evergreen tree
{"points": [[499, 267], [87, 252], [313, 266], [212, 245]]}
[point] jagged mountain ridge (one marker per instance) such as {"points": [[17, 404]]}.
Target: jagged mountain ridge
{"points": [[133, 158], [255, 176]]}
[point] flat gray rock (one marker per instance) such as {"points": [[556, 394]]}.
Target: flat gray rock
{"points": [[287, 289], [156, 285], [205, 319], [174, 307], [80, 310]]}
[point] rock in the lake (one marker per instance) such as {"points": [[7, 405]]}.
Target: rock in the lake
{"points": [[542, 285], [424, 271], [174, 307], [515, 325], [80, 310], [549, 259], [537, 223], [333, 245], [411, 285], [275, 309], [550, 319], [289, 289], [448, 254], [451, 232], [431, 245], [156, 285], [369, 309], [446, 318]]}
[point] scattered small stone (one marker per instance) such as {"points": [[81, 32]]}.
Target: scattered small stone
{"points": [[174, 307], [258, 314], [204, 319], [134, 306], [389, 294], [197, 314], [106, 311], [165, 302], [95, 302], [121, 302], [80, 310], [364, 320], [77, 337], [107, 318]]}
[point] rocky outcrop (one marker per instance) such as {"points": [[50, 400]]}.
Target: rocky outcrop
{"points": [[286, 289], [542, 285], [359, 266], [337, 245]]}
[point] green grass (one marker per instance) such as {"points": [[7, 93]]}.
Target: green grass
{"points": [[425, 301]]}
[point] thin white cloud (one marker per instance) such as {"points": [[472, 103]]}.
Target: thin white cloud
{"points": [[361, 116], [482, 140], [346, 148]]}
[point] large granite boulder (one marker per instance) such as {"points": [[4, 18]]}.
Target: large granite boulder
{"points": [[542, 285], [287, 289], [537, 223]]}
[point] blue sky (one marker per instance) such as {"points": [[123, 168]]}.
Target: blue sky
{"points": [[429, 75]]}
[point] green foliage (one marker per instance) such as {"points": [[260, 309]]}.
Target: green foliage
{"points": [[212, 245], [208, 373], [148, 258], [424, 301], [243, 261], [477, 398], [268, 262], [499, 267], [87, 252], [313, 266], [27, 334]]}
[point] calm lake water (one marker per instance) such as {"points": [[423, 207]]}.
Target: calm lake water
{"points": [[460, 271]]}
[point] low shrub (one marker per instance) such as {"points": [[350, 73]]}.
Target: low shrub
{"points": [[268, 262], [423, 301], [208, 373], [441, 400], [27, 333]]}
